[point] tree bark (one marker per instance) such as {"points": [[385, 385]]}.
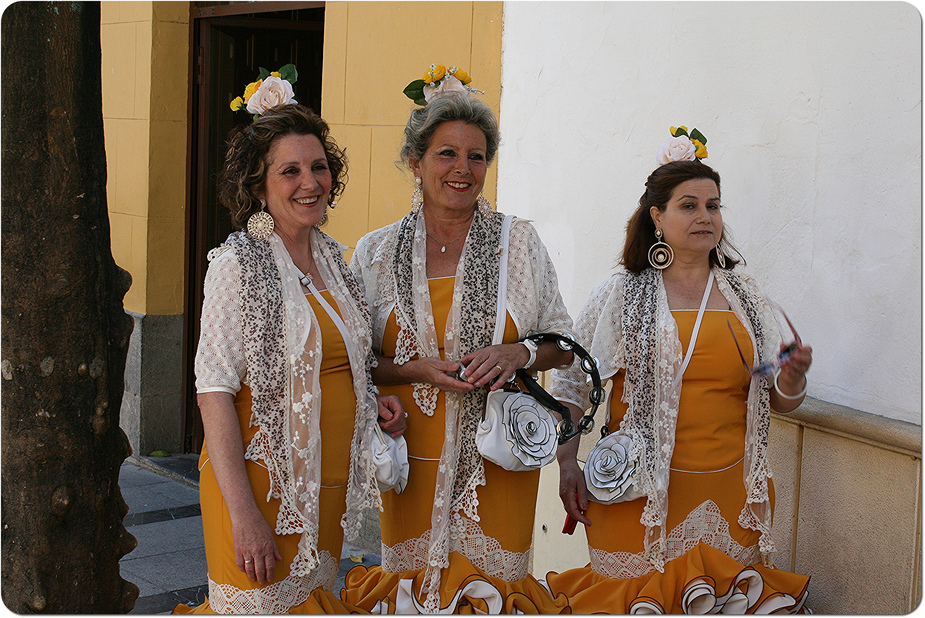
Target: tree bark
{"points": [[64, 331]]}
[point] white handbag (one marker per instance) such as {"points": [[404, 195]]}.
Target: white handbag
{"points": [[517, 431], [390, 455], [610, 469]]}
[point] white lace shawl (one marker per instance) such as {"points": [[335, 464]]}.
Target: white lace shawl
{"points": [[533, 301], [259, 328], [627, 324]]}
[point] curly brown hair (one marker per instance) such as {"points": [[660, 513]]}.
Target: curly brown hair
{"points": [[245, 169], [640, 230]]}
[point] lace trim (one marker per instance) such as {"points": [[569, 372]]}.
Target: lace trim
{"points": [[705, 524], [277, 598], [481, 550]]}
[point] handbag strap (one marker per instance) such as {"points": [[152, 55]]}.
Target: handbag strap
{"points": [[566, 429], [690, 346], [501, 313]]}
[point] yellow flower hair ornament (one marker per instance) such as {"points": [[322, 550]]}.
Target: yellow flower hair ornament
{"points": [[270, 89], [439, 80], [682, 146]]}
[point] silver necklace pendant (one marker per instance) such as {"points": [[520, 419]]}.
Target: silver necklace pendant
{"points": [[443, 249]]}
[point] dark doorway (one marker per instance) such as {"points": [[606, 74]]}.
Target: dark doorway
{"points": [[229, 44]]}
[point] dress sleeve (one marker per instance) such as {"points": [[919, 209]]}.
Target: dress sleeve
{"points": [[539, 274], [220, 365], [598, 330]]}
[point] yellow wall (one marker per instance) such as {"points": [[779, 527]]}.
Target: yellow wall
{"points": [[145, 47], [372, 50]]}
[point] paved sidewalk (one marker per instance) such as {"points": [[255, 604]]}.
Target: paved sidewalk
{"points": [[169, 563]]}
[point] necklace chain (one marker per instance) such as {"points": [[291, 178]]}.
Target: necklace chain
{"points": [[444, 244]]}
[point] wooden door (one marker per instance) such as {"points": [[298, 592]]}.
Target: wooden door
{"points": [[230, 42]]}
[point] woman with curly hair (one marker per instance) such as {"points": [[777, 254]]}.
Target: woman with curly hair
{"points": [[282, 375]]}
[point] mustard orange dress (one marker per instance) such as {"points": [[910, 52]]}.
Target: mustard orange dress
{"points": [[226, 581], [713, 564], [500, 541]]}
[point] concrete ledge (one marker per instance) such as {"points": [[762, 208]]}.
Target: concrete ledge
{"points": [[879, 431]]}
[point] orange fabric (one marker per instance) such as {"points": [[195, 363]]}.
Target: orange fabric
{"points": [[507, 505], [508, 500], [710, 436], [337, 421]]}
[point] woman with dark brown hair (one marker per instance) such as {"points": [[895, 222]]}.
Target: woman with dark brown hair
{"points": [[678, 488], [282, 375]]}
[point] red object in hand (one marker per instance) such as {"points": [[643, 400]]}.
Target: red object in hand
{"points": [[570, 523]]}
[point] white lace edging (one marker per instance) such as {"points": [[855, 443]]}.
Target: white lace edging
{"points": [[481, 550], [705, 524], [277, 598]]}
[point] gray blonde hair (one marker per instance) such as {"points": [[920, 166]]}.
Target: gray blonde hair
{"points": [[447, 108]]}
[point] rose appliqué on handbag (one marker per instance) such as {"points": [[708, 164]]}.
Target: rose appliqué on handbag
{"points": [[609, 470], [530, 429]]}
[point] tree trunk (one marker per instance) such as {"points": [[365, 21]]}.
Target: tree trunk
{"points": [[64, 331]]}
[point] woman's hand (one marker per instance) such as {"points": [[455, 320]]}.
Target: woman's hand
{"points": [[793, 370], [392, 415], [791, 380], [254, 548], [572, 490], [495, 364], [427, 370]]}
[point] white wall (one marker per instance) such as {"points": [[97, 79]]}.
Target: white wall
{"points": [[813, 115]]}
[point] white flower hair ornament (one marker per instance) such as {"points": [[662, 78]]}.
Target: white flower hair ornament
{"points": [[269, 91], [439, 81], [682, 146]]}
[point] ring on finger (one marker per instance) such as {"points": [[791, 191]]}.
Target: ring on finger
{"points": [[498, 367], [248, 561]]}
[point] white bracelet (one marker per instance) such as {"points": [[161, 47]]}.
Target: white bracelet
{"points": [[791, 397], [531, 348]]}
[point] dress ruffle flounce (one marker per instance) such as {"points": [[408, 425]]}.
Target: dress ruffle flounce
{"points": [[464, 589], [702, 581]]}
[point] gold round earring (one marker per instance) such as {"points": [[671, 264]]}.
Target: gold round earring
{"points": [[660, 253], [260, 224]]}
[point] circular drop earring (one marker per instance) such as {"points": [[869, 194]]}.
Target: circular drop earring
{"points": [[660, 253], [260, 224]]}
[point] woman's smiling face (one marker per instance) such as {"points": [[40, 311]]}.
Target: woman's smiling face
{"points": [[297, 183], [452, 170], [692, 221]]}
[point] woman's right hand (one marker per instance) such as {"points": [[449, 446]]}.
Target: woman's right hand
{"points": [[440, 373], [427, 370], [254, 548], [572, 490]]}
